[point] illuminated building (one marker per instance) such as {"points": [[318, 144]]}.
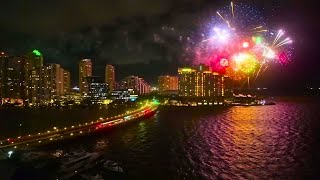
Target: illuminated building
{"points": [[201, 82], [44, 90], [187, 78], [11, 77], [3, 59], [20, 77], [33, 65], [66, 81], [25, 78], [144, 87], [85, 70], [55, 80], [110, 76], [167, 84], [125, 95], [139, 85], [97, 90]]}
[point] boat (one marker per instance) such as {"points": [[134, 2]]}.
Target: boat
{"points": [[112, 166], [77, 162], [247, 100]]}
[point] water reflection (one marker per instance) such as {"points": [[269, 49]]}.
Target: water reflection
{"points": [[267, 142]]}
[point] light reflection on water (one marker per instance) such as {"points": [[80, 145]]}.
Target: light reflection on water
{"points": [[267, 142]]}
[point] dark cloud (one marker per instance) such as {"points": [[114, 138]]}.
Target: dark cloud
{"points": [[52, 16]]}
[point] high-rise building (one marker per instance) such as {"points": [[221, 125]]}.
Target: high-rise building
{"points": [[11, 77], [3, 59], [25, 77], [34, 62], [187, 79], [44, 91], [97, 90], [55, 80], [66, 81], [139, 85], [201, 82], [61, 82], [110, 76], [21, 77], [167, 83], [85, 70]]}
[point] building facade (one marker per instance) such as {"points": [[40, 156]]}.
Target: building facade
{"points": [[97, 90], [201, 82], [33, 65], [25, 78], [124, 95], [139, 85], [66, 81], [55, 81], [85, 70], [110, 76], [12, 80], [167, 84]]}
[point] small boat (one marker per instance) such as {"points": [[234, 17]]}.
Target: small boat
{"points": [[77, 162], [112, 166]]}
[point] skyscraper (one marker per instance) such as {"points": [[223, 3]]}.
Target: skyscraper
{"points": [[22, 77], [66, 81], [55, 80], [85, 70], [167, 83], [44, 91], [110, 76], [33, 65], [11, 77], [3, 58], [25, 78]]}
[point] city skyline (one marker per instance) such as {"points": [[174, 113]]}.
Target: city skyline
{"points": [[131, 68], [161, 89], [123, 43]]}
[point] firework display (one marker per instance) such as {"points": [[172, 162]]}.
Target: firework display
{"points": [[240, 45]]}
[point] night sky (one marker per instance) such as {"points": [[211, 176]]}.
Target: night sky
{"points": [[142, 37]]}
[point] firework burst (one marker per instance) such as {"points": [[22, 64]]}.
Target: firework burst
{"points": [[239, 44]]}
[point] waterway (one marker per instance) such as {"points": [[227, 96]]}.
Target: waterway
{"points": [[258, 142]]}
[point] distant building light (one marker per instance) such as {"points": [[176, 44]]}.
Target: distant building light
{"points": [[186, 70], [76, 88], [10, 153]]}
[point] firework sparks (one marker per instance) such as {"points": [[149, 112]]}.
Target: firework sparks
{"points": [[232, 9], [240, 45]]}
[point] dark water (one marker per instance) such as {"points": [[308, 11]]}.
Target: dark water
{"points": [[266, 142]]}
